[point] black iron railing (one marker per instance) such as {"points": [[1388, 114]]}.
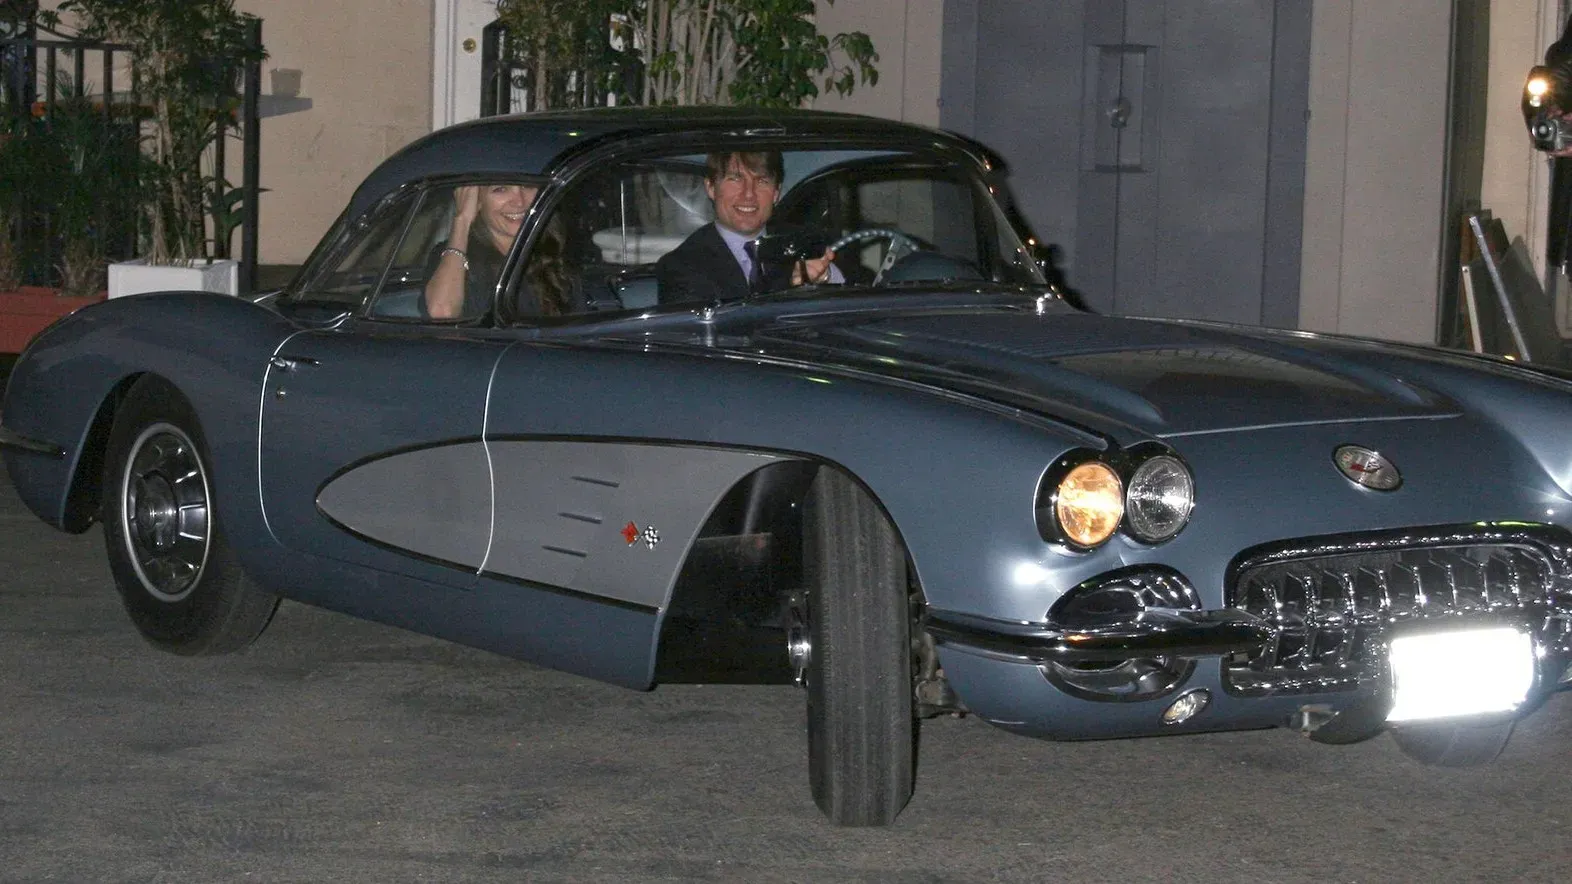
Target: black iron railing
{"points": [[40, 72], [510, 83]]}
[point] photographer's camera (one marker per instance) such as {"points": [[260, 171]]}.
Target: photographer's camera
{"points": [[1547, 99]]}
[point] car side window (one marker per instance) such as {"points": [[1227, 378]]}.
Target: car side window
{"points": [[929, 204], [614, 224], [354, 269], [416, 258], [447, 263]]}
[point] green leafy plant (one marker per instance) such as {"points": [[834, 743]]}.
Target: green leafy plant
{"points": [[14, 175], [767, 53], [781, 55], [568, 48], [186, 58], [226, 208], [82, 173]]}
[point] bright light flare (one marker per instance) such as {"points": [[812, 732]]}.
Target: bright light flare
{"points": [[1460, 672], [1537, 88]]}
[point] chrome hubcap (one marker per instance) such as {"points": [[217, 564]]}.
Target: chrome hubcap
{"points": [[166, 527], [799, 643]]}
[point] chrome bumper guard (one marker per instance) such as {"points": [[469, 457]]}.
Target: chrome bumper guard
{"points": [[1154, 632]]}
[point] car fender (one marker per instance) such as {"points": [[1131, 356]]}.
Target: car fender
{"points": [[213, 348]]}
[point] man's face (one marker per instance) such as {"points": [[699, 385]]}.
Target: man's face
{"points": [[743, 198]]}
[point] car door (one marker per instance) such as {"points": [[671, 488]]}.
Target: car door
{"points": [[596, 495], [370, 448]]}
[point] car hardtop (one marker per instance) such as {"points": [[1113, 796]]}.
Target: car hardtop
{"points": [[539, 143]]}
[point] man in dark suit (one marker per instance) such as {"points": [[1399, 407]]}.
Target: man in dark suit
{"points": [[716, 262]]}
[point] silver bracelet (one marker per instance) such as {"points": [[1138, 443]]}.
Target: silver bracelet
{"points": [[460, 252]]}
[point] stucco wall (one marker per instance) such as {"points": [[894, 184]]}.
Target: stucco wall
{"points": [[1516, 180], [908, 35], [1373, 195], [366, 66], [1514, 47]]}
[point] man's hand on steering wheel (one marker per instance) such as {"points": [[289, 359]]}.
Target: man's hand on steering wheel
{"points": [[814, 271]]}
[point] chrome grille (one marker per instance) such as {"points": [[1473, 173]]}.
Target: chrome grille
{"points": [[1329, 609]]}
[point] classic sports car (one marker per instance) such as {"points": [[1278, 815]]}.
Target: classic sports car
{"points": [[924, 485]]}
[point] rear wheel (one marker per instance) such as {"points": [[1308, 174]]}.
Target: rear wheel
{"points": [[1454, 744], [171, 562], [861, 731]]}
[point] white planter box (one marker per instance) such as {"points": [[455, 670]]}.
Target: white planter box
{"points": [[137, 277]]}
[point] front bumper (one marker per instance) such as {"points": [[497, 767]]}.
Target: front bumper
{"points": [[1154, 632], [1307, 626]]}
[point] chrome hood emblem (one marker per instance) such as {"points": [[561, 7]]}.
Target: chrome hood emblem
{"points": [[1366, 468]]}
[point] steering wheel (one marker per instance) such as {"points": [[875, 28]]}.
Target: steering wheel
{"points": [[901, 245]]}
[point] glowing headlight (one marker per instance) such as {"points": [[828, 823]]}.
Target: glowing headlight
{"points": [[1089, 503], [1160, 499]]}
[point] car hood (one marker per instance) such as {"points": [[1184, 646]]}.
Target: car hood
{"points": [[1116, 375]]}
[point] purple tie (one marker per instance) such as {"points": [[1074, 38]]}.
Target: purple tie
{"points": [[755, 273]]}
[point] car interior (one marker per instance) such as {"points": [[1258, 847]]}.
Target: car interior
{"points": [[894, 219]]}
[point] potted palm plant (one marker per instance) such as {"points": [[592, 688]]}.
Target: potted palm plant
{"points": [[186, 59]]}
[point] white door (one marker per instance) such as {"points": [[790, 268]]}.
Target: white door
{"points": [[455, 62]]}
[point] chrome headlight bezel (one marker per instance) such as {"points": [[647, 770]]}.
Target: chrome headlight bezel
{"points": [[1174, 473], [1051, 499], [1130, 467]]}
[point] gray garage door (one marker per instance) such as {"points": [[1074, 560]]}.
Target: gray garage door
{"points": [[1158, 143]]}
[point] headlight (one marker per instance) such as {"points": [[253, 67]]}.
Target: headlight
{"points": [[1088, 504], [1161, 497]]}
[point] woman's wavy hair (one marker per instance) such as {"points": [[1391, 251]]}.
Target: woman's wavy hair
{"points": [[547, 273]]}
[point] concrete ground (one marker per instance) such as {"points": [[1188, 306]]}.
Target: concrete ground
{"points": [[338, 750]]}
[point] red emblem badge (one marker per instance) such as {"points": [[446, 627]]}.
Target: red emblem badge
{"points": [[630, 533]]}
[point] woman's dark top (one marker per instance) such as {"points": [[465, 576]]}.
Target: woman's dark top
{"points": [[480, 280], [480, 284]]}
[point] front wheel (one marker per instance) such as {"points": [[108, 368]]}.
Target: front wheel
{"points": [[171, 563], [861, 731]]}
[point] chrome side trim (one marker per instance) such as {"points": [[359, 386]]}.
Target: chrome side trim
{"points": [[491, 467], [267, 375], [18, 442], [1153, 632]]}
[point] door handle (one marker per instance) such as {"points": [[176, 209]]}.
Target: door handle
{"points": [[1119, 112], [290, 363]]}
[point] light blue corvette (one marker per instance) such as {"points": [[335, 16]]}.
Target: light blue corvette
{"points": [[937, 488]]}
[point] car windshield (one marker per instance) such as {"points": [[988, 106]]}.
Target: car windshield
{"points": [[672, 229]]}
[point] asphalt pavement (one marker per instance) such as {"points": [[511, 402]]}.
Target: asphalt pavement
{"points": [[338, 750]]}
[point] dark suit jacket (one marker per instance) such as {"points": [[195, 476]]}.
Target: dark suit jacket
{"points": [[703, 269]]}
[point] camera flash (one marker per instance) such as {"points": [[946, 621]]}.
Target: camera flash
{"points": [[1537, 88]]}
